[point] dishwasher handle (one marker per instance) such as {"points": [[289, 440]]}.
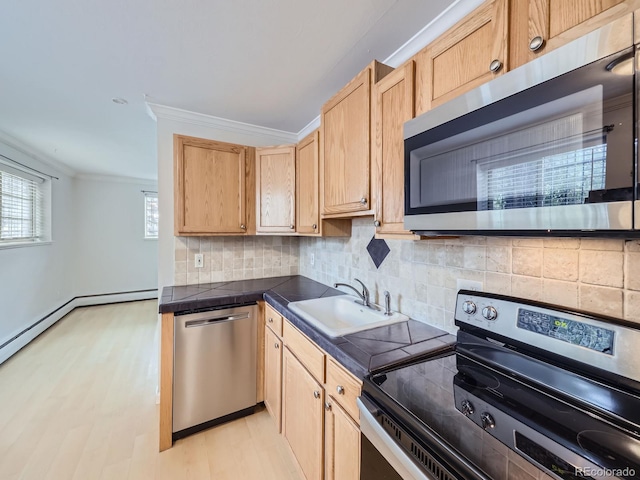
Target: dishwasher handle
{"points": [[214, 320]]}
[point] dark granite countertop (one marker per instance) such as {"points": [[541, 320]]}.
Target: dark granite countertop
{"points": [[361, 353]]}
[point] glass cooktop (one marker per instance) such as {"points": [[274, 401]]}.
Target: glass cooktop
{"points": [[426, 391]]}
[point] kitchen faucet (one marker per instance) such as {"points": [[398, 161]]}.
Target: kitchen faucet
{"points": [[364, 296]]}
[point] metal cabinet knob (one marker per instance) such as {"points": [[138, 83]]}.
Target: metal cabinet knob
{"points": [[327, 406], [340, 390], [292, 226], [536, 43], [277, 345], [377, 223], [243, 226], [316, 394], [495, 65], [363, 201], [270, 320], [314, 226]]}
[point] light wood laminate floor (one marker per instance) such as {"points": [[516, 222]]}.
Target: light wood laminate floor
{"points": [[80, 403]]}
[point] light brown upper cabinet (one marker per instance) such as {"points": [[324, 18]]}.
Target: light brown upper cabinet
{"points": [[276, 189], [393, 106], [213, 187], [539, 26], [345, 155], [308, 185], [469, 54]]}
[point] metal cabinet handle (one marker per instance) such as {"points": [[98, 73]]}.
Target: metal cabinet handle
{"points": [[363, 201], [340, 390], [316, 394], [495, 65], [277, 345], [327, 406], [314, 226], [536, 43], [292, 226], [270, 320], [377, 223], [243, 226]]}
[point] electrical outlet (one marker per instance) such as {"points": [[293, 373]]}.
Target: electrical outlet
{"points": [[312, 259], [462, 284], [199, 260]]}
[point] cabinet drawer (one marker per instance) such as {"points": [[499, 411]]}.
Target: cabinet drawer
{"points": [[305, 350], [343, 387], [273, 319]]}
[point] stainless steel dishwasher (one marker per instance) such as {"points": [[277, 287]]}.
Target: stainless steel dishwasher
{"points": [[214, 373]]}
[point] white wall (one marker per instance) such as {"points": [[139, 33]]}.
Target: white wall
{"points": [[111, 254], [35, 280], [97, 248]]}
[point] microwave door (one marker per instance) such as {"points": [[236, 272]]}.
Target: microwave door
{"points": [[636, 169]]}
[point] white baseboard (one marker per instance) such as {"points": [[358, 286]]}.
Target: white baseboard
{"points": [[27, 336]]}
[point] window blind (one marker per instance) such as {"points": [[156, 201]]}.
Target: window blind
{"points": [[563, 179], [22, 215], [150, 215]]}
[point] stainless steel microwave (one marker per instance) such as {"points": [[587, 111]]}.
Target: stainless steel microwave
{"points": [[548, 148]]}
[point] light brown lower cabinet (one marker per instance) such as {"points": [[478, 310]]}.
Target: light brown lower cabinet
{"points": [[319, 418], [273, 375], [302, 416], [341, 443]]}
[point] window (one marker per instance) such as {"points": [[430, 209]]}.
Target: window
{"points": [[22, 207], [563, 179], [150, 215]]}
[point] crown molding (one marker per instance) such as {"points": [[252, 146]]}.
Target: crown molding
{"points": [[310, 127], [31, 152], [201, 119], [116, 179], [436, 27], [439, 25], [432, 30]]}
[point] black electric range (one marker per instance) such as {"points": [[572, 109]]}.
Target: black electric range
{"points": [[529, 389]]}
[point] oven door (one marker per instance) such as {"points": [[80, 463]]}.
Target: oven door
{"points": [[381, 458], [547, 147]]}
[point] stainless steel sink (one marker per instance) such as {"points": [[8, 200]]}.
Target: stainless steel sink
{"points": [[341, 315]]}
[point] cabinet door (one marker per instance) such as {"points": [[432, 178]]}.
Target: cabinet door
{"points": [[463, 57], [273, 375], [209, 192], [342, 444], [393, 106], [307, 185], [557, 22], [345, 153], [302, 416], [275, 189]]}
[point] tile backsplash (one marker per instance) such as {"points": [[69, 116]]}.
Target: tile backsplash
{"points": [[422, 276], [591, 274], [234, 258]]}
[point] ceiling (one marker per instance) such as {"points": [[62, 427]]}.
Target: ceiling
{"points": [[268, 63]]}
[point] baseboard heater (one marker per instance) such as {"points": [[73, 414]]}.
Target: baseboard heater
{"points": [[65, 309]]}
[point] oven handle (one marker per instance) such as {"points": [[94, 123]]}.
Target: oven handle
{"points": [[388, 448]]}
